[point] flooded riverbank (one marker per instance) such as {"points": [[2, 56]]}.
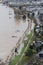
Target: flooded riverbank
{"points": [[11, 30]]}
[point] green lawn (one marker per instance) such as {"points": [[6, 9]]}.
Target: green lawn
{"points": [[24, 59], [22, 50], [29, 35], [25, 42], [16, 58]]}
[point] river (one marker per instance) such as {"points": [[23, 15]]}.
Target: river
{"points": [[11, 29]]}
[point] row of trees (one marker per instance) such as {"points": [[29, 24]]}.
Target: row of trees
{"points": [[25, 14], [30, 51]]}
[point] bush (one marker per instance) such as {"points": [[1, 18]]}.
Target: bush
{"points": [[31, 46], [33, 14], [24, 17], [29, 52], [28, 15]]}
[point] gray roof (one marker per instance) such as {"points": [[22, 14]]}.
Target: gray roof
{"points": [[37, 44], [41, 52]]}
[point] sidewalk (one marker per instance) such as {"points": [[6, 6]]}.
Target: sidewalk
{"points": [[26, 46]]}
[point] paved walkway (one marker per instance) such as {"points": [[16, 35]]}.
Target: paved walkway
{"points": [[24, 51]]}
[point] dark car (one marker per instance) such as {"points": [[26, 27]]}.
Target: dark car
{"points": [[40, 15], [41, 55], [41, 29]]}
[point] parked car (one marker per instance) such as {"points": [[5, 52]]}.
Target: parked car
{"points": [[40, 15], [41, 29], [37, 30], [37, 44]]}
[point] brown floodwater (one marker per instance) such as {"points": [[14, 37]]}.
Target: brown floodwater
{"points": [[11, 29]]}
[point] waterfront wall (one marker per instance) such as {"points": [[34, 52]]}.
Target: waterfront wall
{"points": [[12, 54]]}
